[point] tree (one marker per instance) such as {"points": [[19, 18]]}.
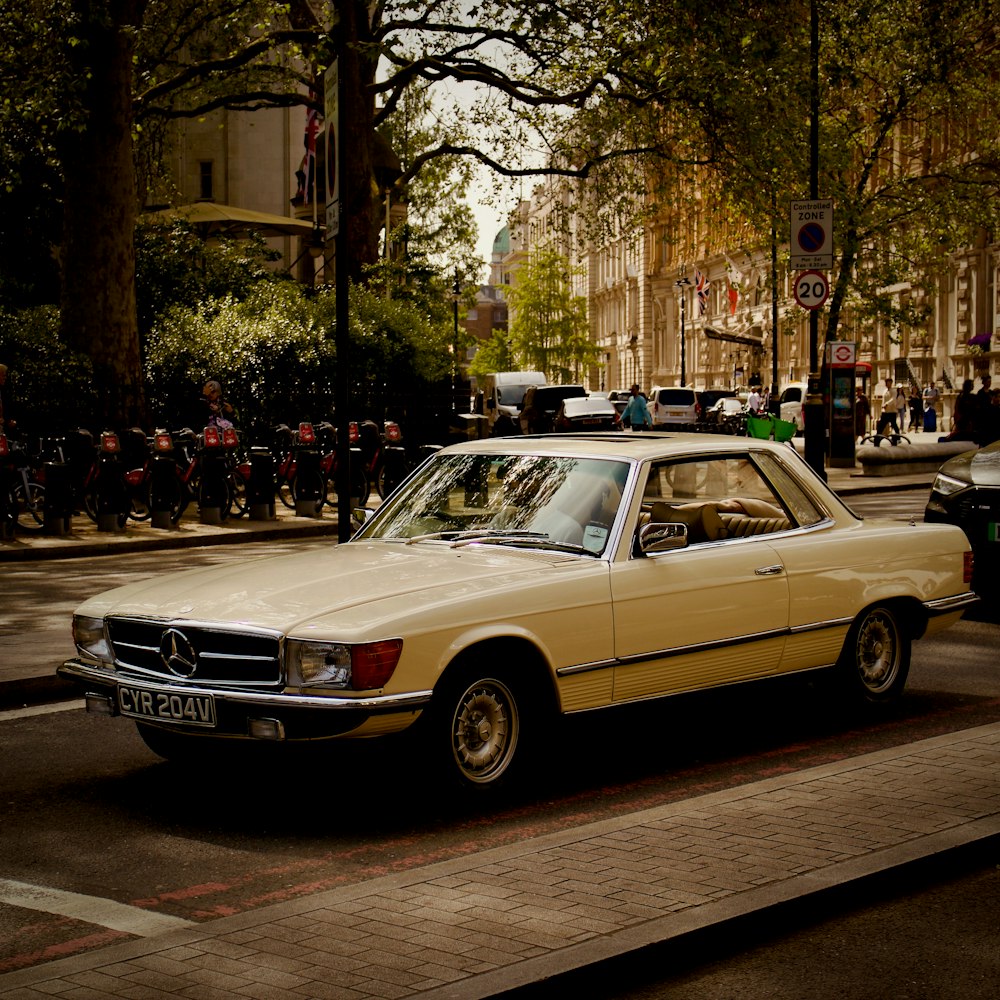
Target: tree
{"points": [[548, 329], [909, 113], [102, 76]]}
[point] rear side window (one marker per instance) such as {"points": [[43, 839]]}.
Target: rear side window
{"points": [[675, 397]]}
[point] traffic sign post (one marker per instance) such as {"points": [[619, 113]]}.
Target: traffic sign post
{"points": [[811, 289], [811, 234]]}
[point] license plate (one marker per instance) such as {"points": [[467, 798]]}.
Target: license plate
{"points": [[590, 421], [192, 709]]}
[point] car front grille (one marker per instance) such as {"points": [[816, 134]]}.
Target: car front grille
{"points": [[196, 653]]}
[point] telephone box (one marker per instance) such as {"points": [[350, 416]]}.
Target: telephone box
{"points": [[841, 357]]}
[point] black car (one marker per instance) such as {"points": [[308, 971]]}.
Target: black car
{"points": [[966, 492], [540, 404]]}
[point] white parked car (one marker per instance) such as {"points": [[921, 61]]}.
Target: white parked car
{"points": [[791, 401], [509, 580]]}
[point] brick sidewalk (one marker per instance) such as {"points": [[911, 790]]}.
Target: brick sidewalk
{"points": [[476, 926]]}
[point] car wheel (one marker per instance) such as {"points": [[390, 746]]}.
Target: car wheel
{"points": [[479, 723], [876, 657]]}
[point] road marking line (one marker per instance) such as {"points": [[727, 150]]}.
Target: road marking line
{"points": [[59, 706], [90, 909]]}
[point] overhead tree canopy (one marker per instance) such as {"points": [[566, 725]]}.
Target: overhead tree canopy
{"points": [[570, 88]]}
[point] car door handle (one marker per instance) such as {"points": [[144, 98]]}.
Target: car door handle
{"points": [[775, 570]]}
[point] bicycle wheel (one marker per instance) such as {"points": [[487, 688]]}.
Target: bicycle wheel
{"points": [[238, 503], [286, 492], [29, 507], [140, 506]]}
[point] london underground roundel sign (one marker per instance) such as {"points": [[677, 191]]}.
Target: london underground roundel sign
{"points": [[811, 289]]}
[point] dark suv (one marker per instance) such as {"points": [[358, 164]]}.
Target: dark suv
{"points": [[540, 403]]}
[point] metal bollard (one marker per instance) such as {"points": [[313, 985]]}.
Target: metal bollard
{"points": [[57, 511], [112, 498], [212, 506], [308, 483], [163, 487], [261, 487]]}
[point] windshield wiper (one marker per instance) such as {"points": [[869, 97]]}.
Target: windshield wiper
{"points": [[531, 540], [464, 535]]}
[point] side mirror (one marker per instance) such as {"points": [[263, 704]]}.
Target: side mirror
{"points": [[658, 537]]}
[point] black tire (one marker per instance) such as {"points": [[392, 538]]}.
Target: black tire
{"points": [[177, 500], [238, 493], [286, 492], [476, 729], [876, 658], [140, 507], [29, 507]]}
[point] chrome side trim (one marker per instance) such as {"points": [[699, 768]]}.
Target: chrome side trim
{"points": [[82, 673], [947, 605], [585, 668], [817, 626]]}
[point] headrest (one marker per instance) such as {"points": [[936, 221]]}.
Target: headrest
{"points": [[703, 521]]}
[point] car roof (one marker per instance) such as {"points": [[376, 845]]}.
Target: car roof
{"points": [[647, 446]]}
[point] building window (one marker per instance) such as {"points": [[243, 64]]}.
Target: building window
{"points": [[205, 187]]}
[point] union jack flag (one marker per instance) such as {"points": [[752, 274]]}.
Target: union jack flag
{"points": [[306, 174], [701, 286]]}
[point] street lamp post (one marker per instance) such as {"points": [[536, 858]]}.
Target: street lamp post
{"points": [[682, 283]]}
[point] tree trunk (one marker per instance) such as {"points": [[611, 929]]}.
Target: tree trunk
{"points": [[99, 211]]}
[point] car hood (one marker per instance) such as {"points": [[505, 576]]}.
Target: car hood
{"points": [[352, 585], [980, 467]]}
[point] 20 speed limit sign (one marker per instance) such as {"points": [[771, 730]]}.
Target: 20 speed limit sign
{"points": [[811, 289]]}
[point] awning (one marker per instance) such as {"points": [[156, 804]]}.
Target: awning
{"points": [[210, 218], [750, 339]]}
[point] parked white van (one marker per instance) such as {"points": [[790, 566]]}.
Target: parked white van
{"points": [[674, 406], [500, 398]]}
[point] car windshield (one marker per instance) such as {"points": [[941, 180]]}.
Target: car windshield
{"points": [[537, 501], [511, 395]]}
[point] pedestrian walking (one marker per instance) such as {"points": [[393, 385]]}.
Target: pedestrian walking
{"points": [[888, 414], [916, 405], [637, 415], [902, 407], [862, 411], [930, 397]]}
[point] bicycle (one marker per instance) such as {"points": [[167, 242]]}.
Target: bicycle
{"points": [[24, 499]]}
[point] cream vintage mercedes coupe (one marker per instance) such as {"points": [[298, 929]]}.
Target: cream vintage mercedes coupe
{"points": [[510, 578]]}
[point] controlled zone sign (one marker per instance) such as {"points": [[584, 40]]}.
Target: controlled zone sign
{"points": [[811, 236], [811, 289]]}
